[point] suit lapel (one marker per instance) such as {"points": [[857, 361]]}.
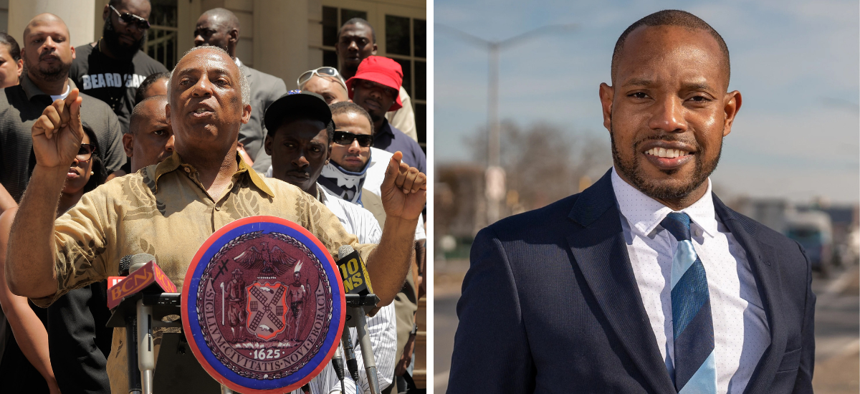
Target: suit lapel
{"points": [[767, 279], [601, 254]]}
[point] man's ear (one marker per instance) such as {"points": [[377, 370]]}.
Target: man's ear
{"points": [[732, 105], [167, 115], [246, 113], [267, 144], [106, 12], [128, 144], [234, 35], [607, 94], [373, 52]]}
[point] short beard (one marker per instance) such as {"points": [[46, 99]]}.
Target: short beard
{"points": [[655, 189], [48, 74], [376, 117], [119, 49], [349, 70]]}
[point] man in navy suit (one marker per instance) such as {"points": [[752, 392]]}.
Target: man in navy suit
{"points": [[645, 282]]}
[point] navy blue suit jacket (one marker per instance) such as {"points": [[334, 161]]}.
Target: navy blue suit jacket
{"points": [[550, 305]]}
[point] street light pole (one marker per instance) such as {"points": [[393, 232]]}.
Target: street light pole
{"points": [[495, 175]]}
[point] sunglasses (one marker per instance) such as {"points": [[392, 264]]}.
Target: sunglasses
{"points": [[129, 19], [85, 152], [321, 72], [346, 138]]}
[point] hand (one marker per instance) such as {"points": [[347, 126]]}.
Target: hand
{"points": [[406, 358], [58, 133], [404, 189]]}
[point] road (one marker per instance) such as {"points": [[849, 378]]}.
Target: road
{"points": [[837, 327]]}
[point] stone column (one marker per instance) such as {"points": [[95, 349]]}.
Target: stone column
{"points": [[78, 15], [281, 38]]}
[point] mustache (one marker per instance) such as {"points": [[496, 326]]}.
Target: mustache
{"points": [[299, 173], [667, 138], [49, 55]]}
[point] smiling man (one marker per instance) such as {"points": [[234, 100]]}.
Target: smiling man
{"points": [[112, 68], [199, 189], [646, 281]]}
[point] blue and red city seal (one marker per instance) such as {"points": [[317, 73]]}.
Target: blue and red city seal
{"points": [[263, 306]]}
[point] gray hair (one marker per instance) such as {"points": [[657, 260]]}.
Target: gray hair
{"points": [[243, 81]]}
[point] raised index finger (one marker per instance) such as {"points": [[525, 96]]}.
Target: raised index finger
{"points": [[70, 99], [393, 170]]}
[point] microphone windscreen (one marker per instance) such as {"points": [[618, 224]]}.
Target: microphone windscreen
{"points": [[124, 264], [139, 260], [344, 250]]}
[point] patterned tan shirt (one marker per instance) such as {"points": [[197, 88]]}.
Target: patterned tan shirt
{"points": [[165, 211]]}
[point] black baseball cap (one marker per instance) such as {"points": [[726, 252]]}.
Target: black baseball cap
{"points": [[297, 105]]}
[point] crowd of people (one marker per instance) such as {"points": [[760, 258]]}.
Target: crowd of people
{"points": [[106, 153]]}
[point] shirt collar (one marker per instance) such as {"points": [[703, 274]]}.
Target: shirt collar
{"points": [[644, 214], [385, 129], [31, 90], [173, 163]]}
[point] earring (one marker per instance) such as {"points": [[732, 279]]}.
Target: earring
{"points": [[92, 173]]}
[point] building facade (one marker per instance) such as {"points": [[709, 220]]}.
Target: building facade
{"points": [[279, 37]]}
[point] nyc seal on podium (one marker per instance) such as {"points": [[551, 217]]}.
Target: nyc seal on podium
{"points": [[263, 305]]}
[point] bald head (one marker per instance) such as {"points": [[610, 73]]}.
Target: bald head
{"points": [[48, 54], [148, 109], [672, 18], [244, 87], [222, 16], [46, 19], [218, 27]]}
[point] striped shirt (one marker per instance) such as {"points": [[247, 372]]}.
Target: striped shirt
{"points": [[381, 327]]}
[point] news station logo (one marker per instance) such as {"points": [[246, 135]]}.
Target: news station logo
{"points": [[267, 304]]}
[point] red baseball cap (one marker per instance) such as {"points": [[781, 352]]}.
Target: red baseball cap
{"points": [[383, 71]]}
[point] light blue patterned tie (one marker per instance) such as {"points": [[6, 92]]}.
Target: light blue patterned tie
{"points": [[693, 327]]}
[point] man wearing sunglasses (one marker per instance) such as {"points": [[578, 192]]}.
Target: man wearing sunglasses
{"points": [[326, 82], [356, 41], [48, 55], [355, 162], [112, 68], [220, 28], [299, 138]]}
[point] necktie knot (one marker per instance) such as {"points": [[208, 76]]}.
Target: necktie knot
{"points": [[678, 223]]}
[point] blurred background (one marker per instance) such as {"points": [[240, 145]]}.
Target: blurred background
{"points": [[518, 125]]}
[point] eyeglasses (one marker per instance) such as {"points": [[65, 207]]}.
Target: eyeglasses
{"points": [[321, 72], [346, 138], [128, 19], [85, 153]]}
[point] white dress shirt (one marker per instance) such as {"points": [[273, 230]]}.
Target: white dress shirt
{"points": [[740, 327]]}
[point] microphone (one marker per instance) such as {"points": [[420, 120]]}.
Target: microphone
{"points": [[351, 362], [145, 277], [357, 281], [353, 272], [125, 263], [337, 364]]}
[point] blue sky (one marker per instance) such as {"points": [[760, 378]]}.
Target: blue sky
{"points": [[796, 63]]}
